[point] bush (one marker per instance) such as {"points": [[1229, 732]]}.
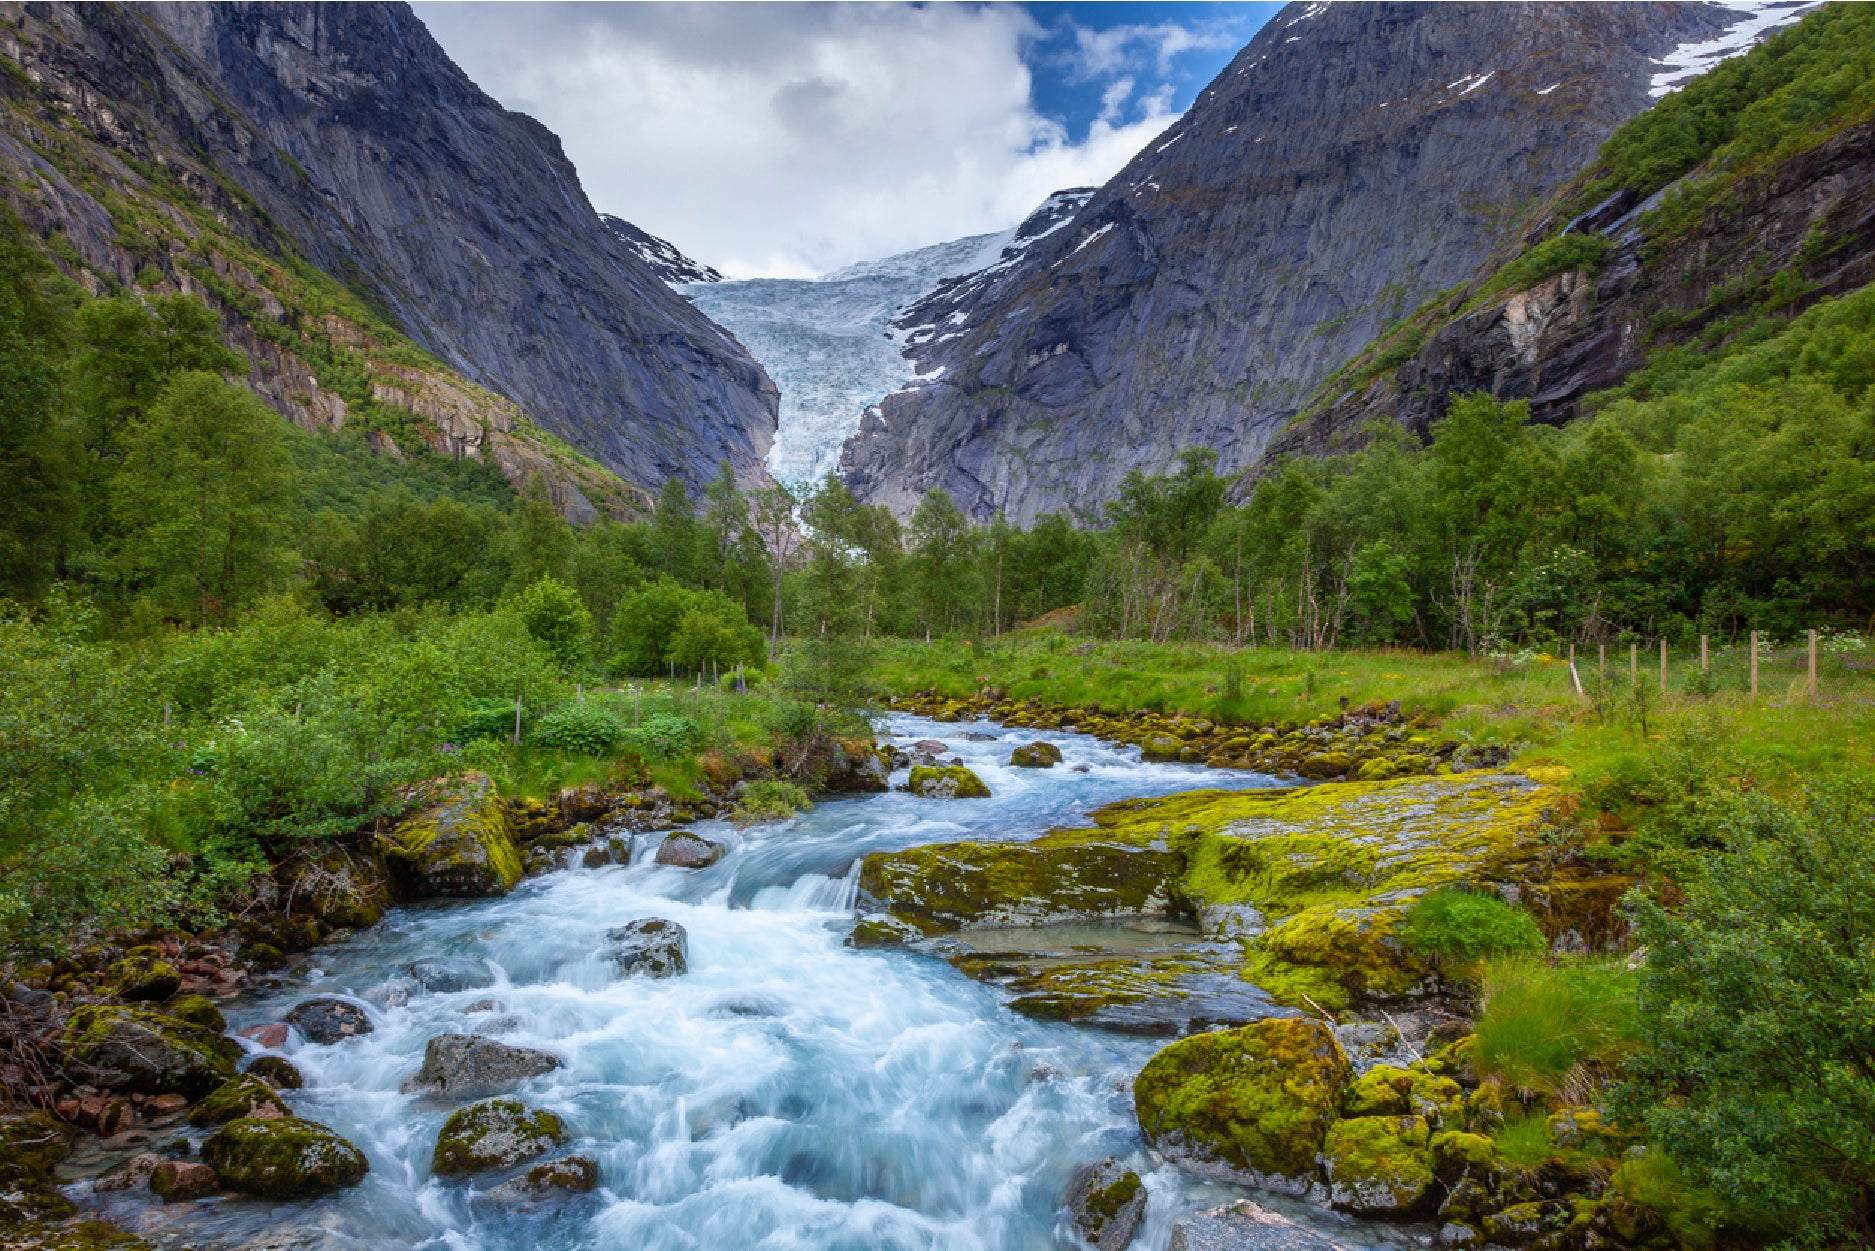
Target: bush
{"points": [[586, 728], [770, 801], [1456, 928], [665, 735], [555, 615], [484, 718], [1545, 1024]]}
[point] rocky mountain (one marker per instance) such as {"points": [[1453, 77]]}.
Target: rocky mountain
{"points": [[342, 137], [663, 256], [835, 345], [1352, 161]]}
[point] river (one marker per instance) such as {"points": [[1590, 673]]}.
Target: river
{"points": [[789, 1092]]}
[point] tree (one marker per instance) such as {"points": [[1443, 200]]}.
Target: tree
{"points": [[133, 346], [203, 500], [37, 465], [774, 517], [554, 613], [714, 634], [540, 542], [677, 540], [941, 541]]}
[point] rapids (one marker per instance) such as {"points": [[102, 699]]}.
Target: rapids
{"points": [[788, 1092]]}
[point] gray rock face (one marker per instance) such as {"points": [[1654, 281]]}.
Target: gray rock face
{"points": [[649, 947], [395, 173], [468, 1066], [666, 260], [688, 851], [326, 1020], [1348, 163], [1244, 1226], [1106, 1203]]}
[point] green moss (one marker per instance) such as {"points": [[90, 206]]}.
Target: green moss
{"points": [[1378, 1165], [31, 1143], [463, 846], [143, 975], [1457, 1154], [283, 1158], [494, 1133], [197, 1010], [137, 1049], [239, 1096], [947, 782], [1257, 1100]]}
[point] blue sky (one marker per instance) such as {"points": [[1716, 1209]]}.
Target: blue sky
{"points": [[792, 139]]}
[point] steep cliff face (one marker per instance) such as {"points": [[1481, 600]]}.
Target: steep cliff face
{"points": [[1350, 162], [347, 129], [665, 258]]}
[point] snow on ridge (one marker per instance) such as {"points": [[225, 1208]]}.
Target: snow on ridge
{"points": [[1758, 18]]}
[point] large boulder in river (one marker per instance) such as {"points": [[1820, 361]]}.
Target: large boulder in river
{"points": [[327, 1020], [495, 1133], [1106, 1203], [1245, 1226], [446, 974], [649, 947], [1251, 1104], [1378, 1165], [570, 1174], [346, 888], [1035, 756], [854, 766], [947, 782], [283, 1158], [144, 1051], [689, 851], [462, 846], [239, 1096], [468, 1065]]}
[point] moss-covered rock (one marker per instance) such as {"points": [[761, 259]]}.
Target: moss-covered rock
{"points": [[494, 1133], [31, 1143], [1037, 755], [283, 1158], [947, 782], [143, 976], [143, 1051], [1325, 764], [1457, 1154], [180, 1181], [197, 1010], [463, 846], [345, 888], [277, 1071], [244, 1095], [1385, 1090], [1160, 746], [1378, 1165], [1253, 1104], [1106, 1202]]}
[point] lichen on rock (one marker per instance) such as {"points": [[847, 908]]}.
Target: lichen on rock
{"points": [[494, 1133], [239, 1096], [1378, 1165], [141, 1050], [947, 782], [463, 846], [283, 1158]]}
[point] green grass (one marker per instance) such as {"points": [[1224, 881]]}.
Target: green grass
{"points": [[1544, 1024], [1458, 927]]}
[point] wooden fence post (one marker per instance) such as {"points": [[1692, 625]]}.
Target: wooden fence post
{"points": [[1663, 666], [1634, 664], [1754, 662], [1575, 679], [1812, 685], [1604, 669], [1704, 662], [517, 720]]}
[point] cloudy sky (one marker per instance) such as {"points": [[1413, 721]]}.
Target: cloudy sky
{"points": [[791, 139]]}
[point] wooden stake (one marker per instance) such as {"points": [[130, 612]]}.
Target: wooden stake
{"points": [[1754, 662], [1704, 662], [1575, 679], [1634, 664], [517, 720], [1663, 666], [1812, 688], [1604, 669]]}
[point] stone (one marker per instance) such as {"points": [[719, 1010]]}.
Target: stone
{"points": [[947, 782], [468, 1066], [283, 1158], [271, 1036], [930, 746], [328, 1020], [1245, 1226], [179, 1181], [1252, 1104], [197, 1010], [242, 1095], [31, 1143], [277, 1071], [461, 847], [143, 976], [649, 947], [1325, 764], [570, 1174], [689, 851], [1160, 747], [1378, 1165], [345, 888], [142, 1051], [1038, 755], [131, 1174], [1106, 1203], [447, 974], [492, 1134]]}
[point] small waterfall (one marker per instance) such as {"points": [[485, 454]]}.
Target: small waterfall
{"points": [[813, 892]]}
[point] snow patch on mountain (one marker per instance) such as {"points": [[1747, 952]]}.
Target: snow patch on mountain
{"points": [[1757, 19], [663, 256]]}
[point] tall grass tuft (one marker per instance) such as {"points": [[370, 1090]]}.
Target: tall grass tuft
{"points": [[1457, 929], [1550, 1028]]}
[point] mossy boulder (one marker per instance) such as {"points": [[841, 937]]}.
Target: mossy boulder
{"points": [[143, 976], [1069, 875], [277, 1071], [568, 1175], [1325, 764], [495, 1133], [1035, 756], [1378, 1165], [1385, 1090], [463, 846], [947, 782], [345, 888], [1250, 1104], [143, 1051], [1457, 1154], [245, 1095], [197, 1010], [1160, 746], [283, 1158], [1106, 1203], [31, 1143]]}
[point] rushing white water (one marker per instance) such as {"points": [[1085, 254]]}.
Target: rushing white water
{"points": [[787, 1092]]}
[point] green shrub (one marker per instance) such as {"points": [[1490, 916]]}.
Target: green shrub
{"points": [[1456, 928], [484, 718], [665, 735], [773, 800], [1543, 1021], [1653, 1181], [586, 727], [1553, 256], [555, 615]]}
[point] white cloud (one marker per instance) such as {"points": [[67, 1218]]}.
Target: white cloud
{"points": [[787, 140]]}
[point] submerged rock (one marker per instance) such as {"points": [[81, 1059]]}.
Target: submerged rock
{"points": [[468, 1065], [649, 946], [572, 1174], [245, 1095], [1251, 1104], [129, 1175], [1106, 1203], [277, 1071], [690, 851], [952, 781], [179, 1181], [1035, 756], [140, 1050], [446, 974], [283, 1158], [327, 1020], [463, 846], [1244, 1226], [495, 1133]]}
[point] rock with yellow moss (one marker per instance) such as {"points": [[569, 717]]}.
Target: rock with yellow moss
{"points": [[1386, 1090], [1378, 1165], [463, 846], [1252, 1104]]}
